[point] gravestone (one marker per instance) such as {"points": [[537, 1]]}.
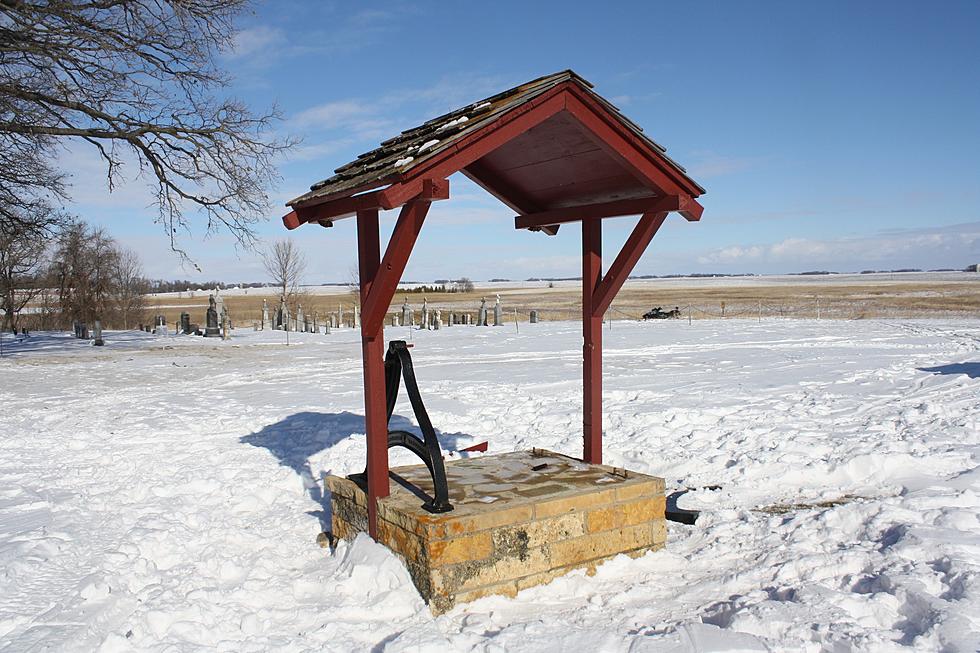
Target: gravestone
{"points": [[161, 326], [497, 319], [225, 322], [481, 319], [534, 317], [300, 318], [211, 329], [425, 312], [437, 322], [394, 320], [355, 320], [265, 313], [282, 315], [97, 334], [406, 313], [185, 323]]}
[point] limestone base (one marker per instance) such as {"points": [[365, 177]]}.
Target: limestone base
{"points": [[520, 519]]}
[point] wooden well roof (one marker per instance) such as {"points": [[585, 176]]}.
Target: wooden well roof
{"points": [[557, 163]]}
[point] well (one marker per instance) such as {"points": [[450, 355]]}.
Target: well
{"points": [[519, 519]]}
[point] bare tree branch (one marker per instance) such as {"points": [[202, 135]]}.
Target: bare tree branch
{"points": [[141, 75]]}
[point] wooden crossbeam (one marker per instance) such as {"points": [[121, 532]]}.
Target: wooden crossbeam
{"points": [[388, 198], [680, 203]]}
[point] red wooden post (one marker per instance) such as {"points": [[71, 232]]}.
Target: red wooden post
{"points": [[372, 351], [592, 349]]}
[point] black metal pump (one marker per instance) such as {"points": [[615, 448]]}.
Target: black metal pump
{"points": [[398, 363]]}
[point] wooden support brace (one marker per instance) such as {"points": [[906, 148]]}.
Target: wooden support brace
{"points": [[399, 249], [619, 271]]}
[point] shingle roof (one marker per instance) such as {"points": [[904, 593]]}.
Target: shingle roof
{"points": [[397, 156]]}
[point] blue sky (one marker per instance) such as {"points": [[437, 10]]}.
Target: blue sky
{"points": [[830, 135]]}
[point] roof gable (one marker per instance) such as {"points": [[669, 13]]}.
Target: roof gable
{"points": [[415, 150]]}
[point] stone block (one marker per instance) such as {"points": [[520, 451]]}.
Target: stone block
{"points": [[519, 519], [626, 514]]}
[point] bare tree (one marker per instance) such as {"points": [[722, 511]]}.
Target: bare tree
{"points": [[85, 262], [22, 259], [128, 294], [132, 79], [464, 284], [285, 265], [354, 282]]}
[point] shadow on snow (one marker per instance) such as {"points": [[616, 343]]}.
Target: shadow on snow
{"points": [[298, 437], [972, 370]]}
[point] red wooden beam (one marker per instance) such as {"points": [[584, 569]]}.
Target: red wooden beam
{"points": [[491, 182], [486, 139], [632, 250], [376, 302], [601, 210], [592, 348], [372, 353], [388, 198], [683, 204], [623, 149], [614, 135]]}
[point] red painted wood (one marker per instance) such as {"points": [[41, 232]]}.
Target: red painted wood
{"points": [[557, 137], [372, 354], [480, 143], [291, 220], [487, 179], [592, 346], [620, 147], [406, 232], [483, 446], [602, 210], [626, 141], [619, 271]]}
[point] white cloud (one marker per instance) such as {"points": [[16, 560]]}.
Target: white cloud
{"points": [[255, 41], [949, 246]]}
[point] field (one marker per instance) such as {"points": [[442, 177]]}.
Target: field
{"points": [[833, 296], [165, 493]]}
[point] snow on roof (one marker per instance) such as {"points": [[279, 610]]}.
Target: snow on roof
{"points": [[384, 164]]}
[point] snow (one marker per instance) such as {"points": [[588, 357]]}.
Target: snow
{"points": [[165, 493], [452, 123], [404, 161], [426, 145]]}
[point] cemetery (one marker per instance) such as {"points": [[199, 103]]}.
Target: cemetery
{"points": [[493, 384]]}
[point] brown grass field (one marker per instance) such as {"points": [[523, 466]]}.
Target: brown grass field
{"points": [[830, 299]]}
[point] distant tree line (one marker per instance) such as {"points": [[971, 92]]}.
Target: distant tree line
{"points": [[49, 279], [441, 286], [184, 285]]}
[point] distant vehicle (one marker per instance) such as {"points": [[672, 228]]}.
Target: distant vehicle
{"points": [[659, 313]]}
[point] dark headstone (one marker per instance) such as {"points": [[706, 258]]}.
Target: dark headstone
{"points": [[212, 330]]}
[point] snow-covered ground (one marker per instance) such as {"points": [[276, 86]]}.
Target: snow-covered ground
{"points": [[164, 493]]}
